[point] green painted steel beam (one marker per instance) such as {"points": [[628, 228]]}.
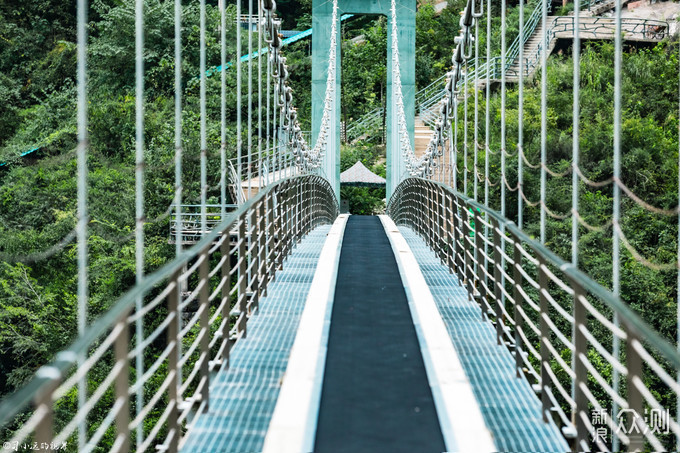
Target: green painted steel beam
{"points": [[406, 23]]}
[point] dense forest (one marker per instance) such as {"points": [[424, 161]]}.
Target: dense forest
{"points": [[37, 113]]}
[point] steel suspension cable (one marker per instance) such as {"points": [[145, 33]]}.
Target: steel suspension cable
{"points": [[455, 143], [203, 121], [178, 123], [270, 142], [178, 152], [223, 110], [520, 120], [476, 133], [83, 215], [239, 107], [139, 194], [487, 119], [616, 216], [250, 98], [544, 115], [259, 94], [503, 89], [576, 56], [465, 128], [304, 158], [677, 286]]}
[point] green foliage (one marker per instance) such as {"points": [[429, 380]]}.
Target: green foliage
{"points": [[649, 150], [33, 322]]}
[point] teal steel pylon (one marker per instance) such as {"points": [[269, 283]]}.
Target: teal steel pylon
{"points": [[322, 11]]}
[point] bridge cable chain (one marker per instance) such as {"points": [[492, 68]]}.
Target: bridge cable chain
{"points": [[425, 165], [306, 159]]}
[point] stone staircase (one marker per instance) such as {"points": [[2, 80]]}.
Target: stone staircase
{"points": [[422, 136], [531, 52]]}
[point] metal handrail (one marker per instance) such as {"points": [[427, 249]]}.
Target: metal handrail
{"points": [[541, 306], [602, 28], [189, 222], [247, 247]]}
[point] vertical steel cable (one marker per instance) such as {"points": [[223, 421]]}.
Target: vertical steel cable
{"points": [[204, 145], [270, 142], [250, 97], [223, 110], [487, 120], [520, 120], [139, 196], [259, 94], [503, 71], [544, 116], [239, 89], [178, 155], [452, 169], [677, 302], [576, 55], [178, 126], [455, 141], [616, 215], [503, 179], [465, 129], [476, 133], [83, 145], [275, 126]]}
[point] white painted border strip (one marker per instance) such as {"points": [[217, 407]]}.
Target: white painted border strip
{"points": [[459, 414], [293, 424]]}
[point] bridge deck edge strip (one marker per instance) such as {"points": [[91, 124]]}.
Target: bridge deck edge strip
{"points": [[293, 425], [460, 416]]}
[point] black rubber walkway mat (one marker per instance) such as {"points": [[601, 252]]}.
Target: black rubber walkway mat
{"points": [[375, 395]]}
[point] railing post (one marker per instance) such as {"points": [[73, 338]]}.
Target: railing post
{"points": [[442, 230], [467, 255], [307, 200], [44, 431], [174, 430], [450, 234], [479, 245], [517, 277], [122, 385], [545, 333], [298, 210], [456, 226], [270, 269], [261, 249], [242, 276], [431, 209], [204, 320], [254, 252], [282, 200], [497, 259], [580, 371], [438, 219], [426, 209], [634, 398], [225, 250]]}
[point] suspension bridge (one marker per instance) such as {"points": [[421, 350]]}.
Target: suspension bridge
{"points": [[442, 325]]}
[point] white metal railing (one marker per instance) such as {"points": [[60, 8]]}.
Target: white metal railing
{"points": [[218, 283]]}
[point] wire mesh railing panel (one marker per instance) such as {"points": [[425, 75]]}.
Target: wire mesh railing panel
{"points": [[194, 310], [555, 320]]}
